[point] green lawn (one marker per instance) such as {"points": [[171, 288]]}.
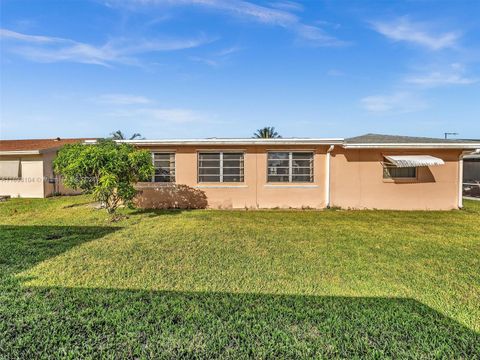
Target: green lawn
{"points": [[237, 284]]}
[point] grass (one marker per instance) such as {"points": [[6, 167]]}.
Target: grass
{"points": [[237, 284]]}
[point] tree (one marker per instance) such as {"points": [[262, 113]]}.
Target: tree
{"points": [[267, 132], [118, 135], [106, 169]]}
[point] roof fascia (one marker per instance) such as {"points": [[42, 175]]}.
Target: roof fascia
{"points": [[20, 152]]}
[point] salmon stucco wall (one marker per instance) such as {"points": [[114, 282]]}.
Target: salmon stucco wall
{"points": [[255, 191], [357, 181]]}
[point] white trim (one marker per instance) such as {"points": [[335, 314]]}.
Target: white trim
{"points": [[20, 152], [460, 181], [236, 141], [293, 186], [220, 186], [328, 176], [412, 146], [298, 141]]}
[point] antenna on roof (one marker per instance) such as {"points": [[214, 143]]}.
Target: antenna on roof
{"points": [[449, 133]]}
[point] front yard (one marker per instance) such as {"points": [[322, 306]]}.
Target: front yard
{"points": [[237, 283]]}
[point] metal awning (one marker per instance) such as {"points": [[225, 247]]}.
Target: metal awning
{"points": [[414, 160]]}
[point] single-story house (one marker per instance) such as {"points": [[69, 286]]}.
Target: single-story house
{"points": [[26, 167], [471, 175], [370, 171], [366, 172]]}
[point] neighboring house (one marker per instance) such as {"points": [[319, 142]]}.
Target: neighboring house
{"points": [[26, 167], [370, 171], [471, 175]]}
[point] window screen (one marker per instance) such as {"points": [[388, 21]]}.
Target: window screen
{"points": [[164, 164], [290, 166], [220, 167], [393, 172]]}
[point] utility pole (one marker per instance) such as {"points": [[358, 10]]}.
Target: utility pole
{"points": [[449, 133]]}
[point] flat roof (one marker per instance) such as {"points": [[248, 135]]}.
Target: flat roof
{"points": [[367, 141], [237, 141]]}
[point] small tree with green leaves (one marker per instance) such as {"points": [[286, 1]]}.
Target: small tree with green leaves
{"points": [[106, 169], [267, 132]]}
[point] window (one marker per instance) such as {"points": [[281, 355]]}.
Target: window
{"points": [[392, 172], [290, 167], [164, 164], [10, 169], [220, 167]]}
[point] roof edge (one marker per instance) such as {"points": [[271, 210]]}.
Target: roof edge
{"points": [[233, 141], [20, 152]]}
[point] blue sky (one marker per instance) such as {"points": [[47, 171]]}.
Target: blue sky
{"points": [[206, 68]]}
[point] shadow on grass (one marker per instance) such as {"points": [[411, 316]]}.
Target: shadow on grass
{"points": [[21, 247], [158, 212], [75, 322], [54, 322]]}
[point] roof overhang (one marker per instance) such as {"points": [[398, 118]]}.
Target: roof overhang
{"points": [[253, 141], [30, 151], [402, 161], [20, 152]]}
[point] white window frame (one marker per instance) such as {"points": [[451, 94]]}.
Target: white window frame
{"points": [[221, 166], [290, 166], [174, 167]]}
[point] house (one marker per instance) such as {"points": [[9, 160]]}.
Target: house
{"points": [[26, 167], [366, 172], [471, 175]]}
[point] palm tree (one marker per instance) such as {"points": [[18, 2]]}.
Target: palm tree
{"points": [[118, 135], [268, 132]]}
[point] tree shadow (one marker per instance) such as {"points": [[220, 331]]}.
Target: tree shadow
{"points": [[163, 324], [169, 196], [22, 247], [158, 212], [54, 322]]}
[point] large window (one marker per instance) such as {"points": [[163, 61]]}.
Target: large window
{"points": [[392, 172], [290, 167], [220, 167], [164, 164]]}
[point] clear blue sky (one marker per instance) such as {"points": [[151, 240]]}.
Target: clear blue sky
{"points": [[205, 68]]}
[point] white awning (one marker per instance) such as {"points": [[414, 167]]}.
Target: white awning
{"points": [[414, 160]]}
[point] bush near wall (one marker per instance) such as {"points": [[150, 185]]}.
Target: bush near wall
{"points": [[169, 196]]}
